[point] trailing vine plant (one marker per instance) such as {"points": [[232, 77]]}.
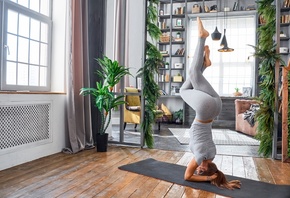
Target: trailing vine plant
{"points": [[265, 51], [152, 62]]}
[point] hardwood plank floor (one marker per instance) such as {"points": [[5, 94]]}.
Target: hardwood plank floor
{"points": [[94, 174]]}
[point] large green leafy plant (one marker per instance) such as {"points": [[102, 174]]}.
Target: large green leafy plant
{"points": [[153, 61], [265, 51], [104, 99]]}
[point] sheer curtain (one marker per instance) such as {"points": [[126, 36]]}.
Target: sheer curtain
{"points": [[78, 107]]}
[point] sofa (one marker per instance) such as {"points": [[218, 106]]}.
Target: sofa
{"points": [[245, 110]]}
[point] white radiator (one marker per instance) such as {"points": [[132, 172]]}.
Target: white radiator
{"points": [[24, 124]]}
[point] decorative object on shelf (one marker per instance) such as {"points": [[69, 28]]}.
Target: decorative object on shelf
{"points": [[167, 77], [226, 9], [206, 9], [251, 7], [195, 9], [179, 10], [224, 43], [163, 25], [180, 51], [285, 18], [161, 12], [213, 8], [236, 6], [164, 38], [164, 53], [167, 65], [286, 4], [283, 50], [172, 90], [178, 37], [179, 22], [177, 78], [237, 93], [178, 65], [282, 35]]}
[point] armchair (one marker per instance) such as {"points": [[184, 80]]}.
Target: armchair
{"points": [[132, 110], [242, 125]]}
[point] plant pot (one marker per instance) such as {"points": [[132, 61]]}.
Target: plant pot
{"points": [[102, 142], [237, 94]]}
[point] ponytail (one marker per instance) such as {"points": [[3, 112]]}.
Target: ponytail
{"points": [[221, 182]]}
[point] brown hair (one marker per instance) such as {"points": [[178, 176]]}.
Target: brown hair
{"points": [[220, 180]]}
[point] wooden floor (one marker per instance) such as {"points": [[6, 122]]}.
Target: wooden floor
{"points": [[94, 174]]}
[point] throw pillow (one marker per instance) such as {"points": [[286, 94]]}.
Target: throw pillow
{"points": [[165, 110]]}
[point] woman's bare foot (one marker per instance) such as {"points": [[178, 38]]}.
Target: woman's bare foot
{"points": [[207, 61], [203, 33]]}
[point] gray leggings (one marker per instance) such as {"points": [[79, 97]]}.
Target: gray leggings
{"points": [[196, 90]]}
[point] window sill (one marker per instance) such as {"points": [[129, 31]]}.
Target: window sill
{"points": [[32, 92]]}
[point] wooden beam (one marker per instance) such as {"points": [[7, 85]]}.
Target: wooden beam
{"points": [[285, 112]]}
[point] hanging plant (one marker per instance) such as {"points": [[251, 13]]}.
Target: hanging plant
{"points": [[152, 62], [265, 51]]}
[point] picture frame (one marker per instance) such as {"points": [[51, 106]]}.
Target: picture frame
{"points": [[247, 91]]}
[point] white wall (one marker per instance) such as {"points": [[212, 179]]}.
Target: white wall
{"points": [[28, 153], [25, 153]]}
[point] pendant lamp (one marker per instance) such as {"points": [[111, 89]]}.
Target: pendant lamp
{"points": [[224, 43], [216, 35]]}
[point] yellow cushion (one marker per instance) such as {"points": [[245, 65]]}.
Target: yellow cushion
{"points": [[165, 110], [132, 100]]}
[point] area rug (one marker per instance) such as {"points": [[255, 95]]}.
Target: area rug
{"points": [[174, 173], [220, 137]]}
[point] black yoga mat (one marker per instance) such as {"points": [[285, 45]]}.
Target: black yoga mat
{"points": [[174, 173]]}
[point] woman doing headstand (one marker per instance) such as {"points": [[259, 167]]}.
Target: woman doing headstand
{"points": [[200, 95]]}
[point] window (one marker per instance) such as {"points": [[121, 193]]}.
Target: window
{"points": [[26, 45], [229, 70]]}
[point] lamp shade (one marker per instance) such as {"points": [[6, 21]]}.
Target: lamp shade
{"points": [[216, 35], [224, 44]]}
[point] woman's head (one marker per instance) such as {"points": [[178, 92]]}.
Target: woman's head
{"points": [[209, 170]]}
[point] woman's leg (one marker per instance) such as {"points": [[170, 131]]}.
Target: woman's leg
{"points": [[196, 91]]}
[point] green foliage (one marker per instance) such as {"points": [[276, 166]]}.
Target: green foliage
{"points": [[111, 71], [265, 51], [178, 114], [104, 99], [147, 72]]}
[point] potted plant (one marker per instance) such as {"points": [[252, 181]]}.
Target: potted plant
{"points": [[178, 116], [111, 73], [237, 93]]}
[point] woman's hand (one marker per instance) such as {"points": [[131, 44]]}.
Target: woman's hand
{"points": [[212, 177]]}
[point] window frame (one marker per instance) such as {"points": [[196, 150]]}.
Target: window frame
{"points": [[220, 17], [9, 5]]}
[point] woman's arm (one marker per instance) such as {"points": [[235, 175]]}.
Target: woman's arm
{"points": [[189, 173]]}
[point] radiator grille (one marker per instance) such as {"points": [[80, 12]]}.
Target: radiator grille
{"points": [[24, 124]]}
